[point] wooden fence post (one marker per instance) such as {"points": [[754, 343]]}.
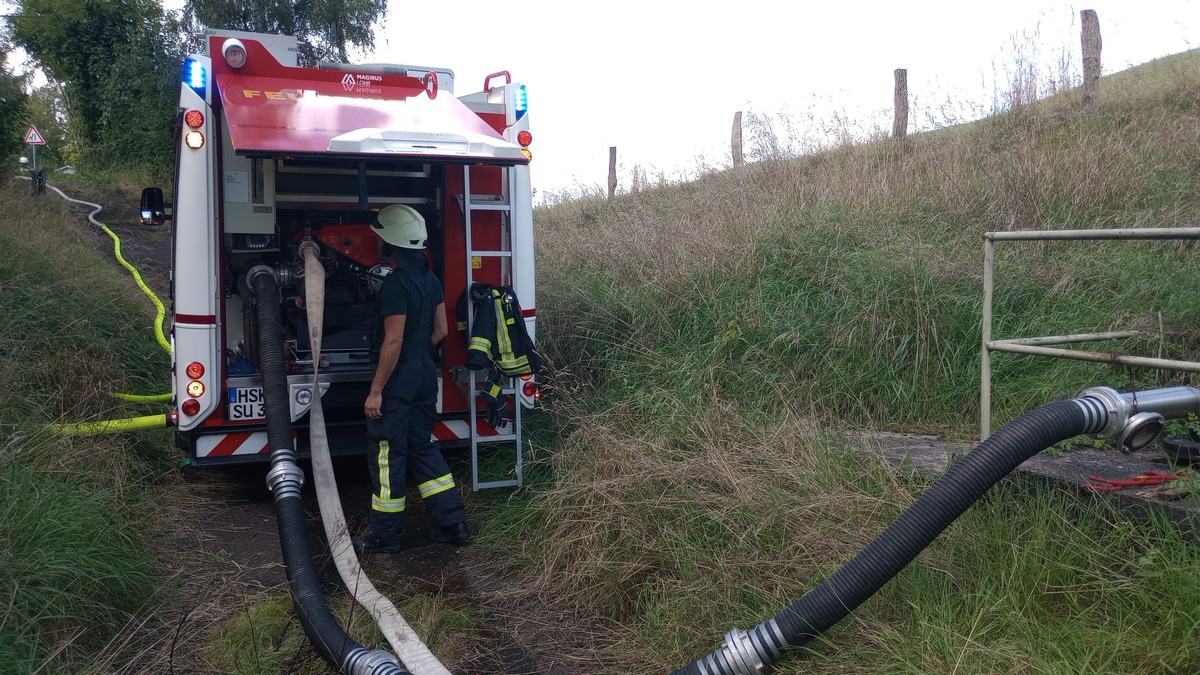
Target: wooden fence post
{"points": [[612, 171], [900, 122], [1091, 60], [736, 143]]}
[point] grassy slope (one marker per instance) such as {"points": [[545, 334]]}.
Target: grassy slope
{"points": [[706, 337], [73, 567]]}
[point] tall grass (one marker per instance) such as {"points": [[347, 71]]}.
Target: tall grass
{"points": [[73, 564], [710, 343], [854, 274]]}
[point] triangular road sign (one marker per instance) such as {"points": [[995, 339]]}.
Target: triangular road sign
{"points": [[33, 137]]}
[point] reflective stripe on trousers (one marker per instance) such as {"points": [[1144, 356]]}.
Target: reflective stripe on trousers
{"points": [[432, 487]]}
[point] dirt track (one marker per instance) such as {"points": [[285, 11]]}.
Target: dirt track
{"points": [[217, 532]]}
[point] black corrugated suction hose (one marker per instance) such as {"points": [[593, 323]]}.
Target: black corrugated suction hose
{"points": [[744, 653], [285, 478]]}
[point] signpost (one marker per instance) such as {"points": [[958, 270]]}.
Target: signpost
{"points": [[34, 137]]}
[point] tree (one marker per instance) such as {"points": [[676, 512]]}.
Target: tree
{"points": [[112, 57], [140, 98], [47, 111], [328, 26], [13, 119]]}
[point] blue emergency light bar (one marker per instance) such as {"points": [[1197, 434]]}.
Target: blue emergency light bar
{"points": [[195, 76], [520, 101]]}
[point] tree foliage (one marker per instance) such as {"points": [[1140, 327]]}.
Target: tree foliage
{"points": [[328, 26], [141, 95], [13, 119], [118, 61], [47, 111]]}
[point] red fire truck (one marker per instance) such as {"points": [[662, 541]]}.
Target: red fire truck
{"points": [[270, 153]]}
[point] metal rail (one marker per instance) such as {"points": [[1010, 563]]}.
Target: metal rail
{"points": [[1034, 345]]}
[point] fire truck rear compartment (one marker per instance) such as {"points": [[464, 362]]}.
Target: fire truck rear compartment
{"points": [[332, 202]]}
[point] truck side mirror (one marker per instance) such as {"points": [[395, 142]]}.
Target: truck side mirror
{"points": [[153, 207]]}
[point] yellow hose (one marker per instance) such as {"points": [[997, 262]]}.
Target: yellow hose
{"points": [[161, 311], [144, 398], [131, 423], [110, 426]]}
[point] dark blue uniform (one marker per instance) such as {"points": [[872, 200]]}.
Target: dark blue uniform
{"points": [[400, 439]]}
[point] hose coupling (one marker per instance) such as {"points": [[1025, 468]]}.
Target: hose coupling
{"points": [[361, 661], [1136, 418], [1141, 429], [308, 244], [285, 477], [258, 270], [1114, 411], [735, 656]]}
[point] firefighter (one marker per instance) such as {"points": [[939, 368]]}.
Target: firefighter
{"points": [[401, 405]]}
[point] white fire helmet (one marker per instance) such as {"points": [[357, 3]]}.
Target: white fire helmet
{"points": [[401, 226]]}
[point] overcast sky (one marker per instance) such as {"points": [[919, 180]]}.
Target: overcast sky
{"points": [[661, 80]]}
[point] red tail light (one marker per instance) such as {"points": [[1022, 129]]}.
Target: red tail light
{"points": [[190, 407], [195, 370], [531, 390], [524, 137], [194, 119]]}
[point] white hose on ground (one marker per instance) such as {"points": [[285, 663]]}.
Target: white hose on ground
{"points": [[415, 656]]}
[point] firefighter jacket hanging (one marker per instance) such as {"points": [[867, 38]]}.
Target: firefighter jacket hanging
{"points": [[498, 335]]}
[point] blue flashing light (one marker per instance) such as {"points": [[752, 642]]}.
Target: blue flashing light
{"points": [[520, 101], [195, 76]]}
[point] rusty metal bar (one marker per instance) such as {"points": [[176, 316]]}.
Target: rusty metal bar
{"points": [[1123, 234], [1033, 345], [1064, 339], [1098, 357]]}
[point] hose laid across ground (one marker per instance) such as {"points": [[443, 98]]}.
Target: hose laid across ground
{"points": [[111, 426], [160, 310], [404, 640], [145, 398], [285, 478], [128, 423], [749, 652]]}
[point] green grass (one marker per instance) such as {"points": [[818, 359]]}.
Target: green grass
{"points": [[714, 347], [74, 566], [267, 638], [1070, 586]]}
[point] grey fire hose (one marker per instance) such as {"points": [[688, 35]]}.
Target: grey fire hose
{"points": [[1102, 412], [409, 647], [285, 479]]}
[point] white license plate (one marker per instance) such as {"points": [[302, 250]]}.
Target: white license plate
{"points": [[246, 403]]}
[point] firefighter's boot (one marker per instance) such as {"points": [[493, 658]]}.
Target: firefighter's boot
{"points": [[457, 534], [368, 544]]}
